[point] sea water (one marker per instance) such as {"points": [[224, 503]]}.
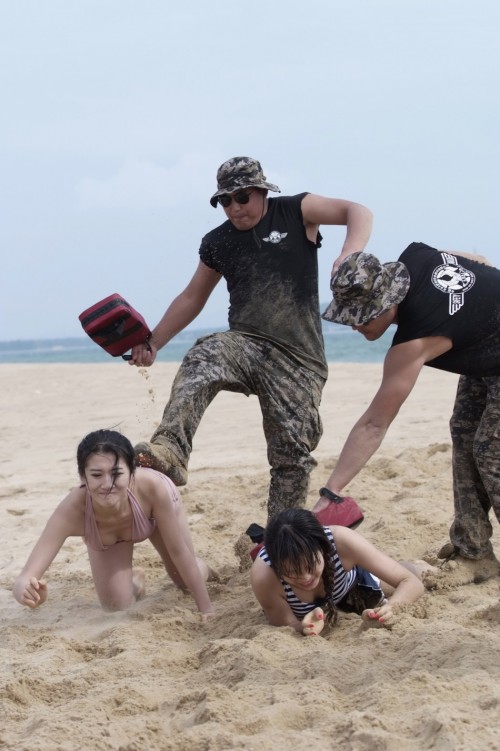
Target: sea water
{"points": [[342, 344]]}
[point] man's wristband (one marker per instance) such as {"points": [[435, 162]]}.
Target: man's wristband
{"points": [[327, 493]]}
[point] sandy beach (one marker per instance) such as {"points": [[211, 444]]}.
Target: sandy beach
{"points": [[154, 678]]}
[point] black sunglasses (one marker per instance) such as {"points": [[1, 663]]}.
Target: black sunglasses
{"points": [[226, 199]]}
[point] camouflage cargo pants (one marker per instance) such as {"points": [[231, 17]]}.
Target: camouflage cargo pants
{"points": [[289, 396], [475, 432]]}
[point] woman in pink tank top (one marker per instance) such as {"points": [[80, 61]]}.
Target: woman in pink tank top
{"points": [[116, 506]]}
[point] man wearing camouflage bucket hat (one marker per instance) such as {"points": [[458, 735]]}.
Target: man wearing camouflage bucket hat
{"points": [[447, 310], [239, 173], [266, 250], [363, 289]]}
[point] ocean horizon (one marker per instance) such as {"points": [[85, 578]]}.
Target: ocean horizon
{"points": [[342, 344]]}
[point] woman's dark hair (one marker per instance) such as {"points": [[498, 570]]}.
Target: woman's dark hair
{"points": [[294, 538], [105, 442]]}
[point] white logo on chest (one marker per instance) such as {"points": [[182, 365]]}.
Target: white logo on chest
{"points": [[454, 280], [275, 237]]}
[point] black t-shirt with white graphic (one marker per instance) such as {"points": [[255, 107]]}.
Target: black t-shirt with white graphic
{"points": [[454, 297], [271, 273]]}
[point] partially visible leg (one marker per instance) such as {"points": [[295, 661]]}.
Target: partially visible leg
{"points": [[487, 446], [210, 366], [289, 396], [138, 582], [117, 584], [471, 529], [420, 568]]}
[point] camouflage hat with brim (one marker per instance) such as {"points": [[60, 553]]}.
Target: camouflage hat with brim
{"points": [[238, 173], [363, 288]]}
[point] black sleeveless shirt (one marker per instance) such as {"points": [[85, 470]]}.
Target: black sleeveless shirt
{"points": [[454, 297], [271, 273]]}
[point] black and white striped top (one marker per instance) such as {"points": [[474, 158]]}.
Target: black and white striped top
{"points": [[343, 582]]}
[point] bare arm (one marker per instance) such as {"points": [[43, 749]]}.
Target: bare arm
{"points": [[358, 220], [354, 549], [183, 309], [182, 557], [29, 588], [402, 366], [270, 595]]}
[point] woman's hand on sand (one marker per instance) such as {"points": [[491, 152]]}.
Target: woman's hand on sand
{"points": [[313, 623], [383, 616], [205, 617], [31, 593]]}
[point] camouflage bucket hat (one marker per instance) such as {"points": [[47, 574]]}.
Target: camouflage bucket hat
{"points": [[238, 173], [363, 288]]}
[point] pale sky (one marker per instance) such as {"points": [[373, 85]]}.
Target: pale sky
{"points": [[117, 113]]}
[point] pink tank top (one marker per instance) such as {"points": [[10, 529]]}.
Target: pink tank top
{"points": [[142, 527]]}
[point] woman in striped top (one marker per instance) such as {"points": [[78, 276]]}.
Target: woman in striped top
{"points": [[306, 572]]}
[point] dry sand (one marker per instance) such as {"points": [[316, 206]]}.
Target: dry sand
{"points": [[74, 677]]}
